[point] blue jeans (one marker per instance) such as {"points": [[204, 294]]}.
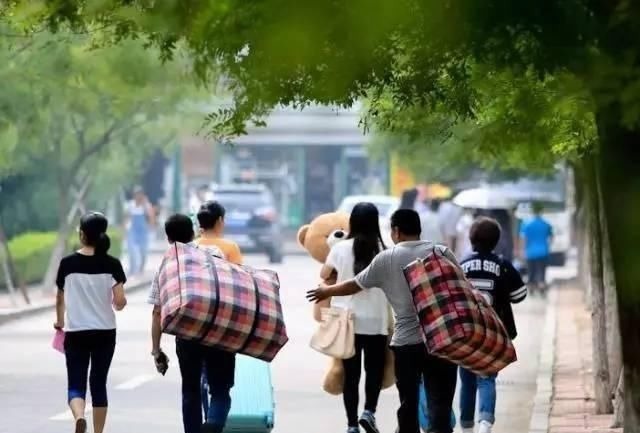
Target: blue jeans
{"points": [[537, 269], [486, 388], [137, 249], [219, 367]]}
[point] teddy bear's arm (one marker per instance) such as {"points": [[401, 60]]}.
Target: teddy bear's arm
{"points": [[328, 274]]}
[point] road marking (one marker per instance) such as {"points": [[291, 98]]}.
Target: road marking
{"points": [[135, 382], [63, 416]]}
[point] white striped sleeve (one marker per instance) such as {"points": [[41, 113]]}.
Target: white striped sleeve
{"points": [[518, 295]]}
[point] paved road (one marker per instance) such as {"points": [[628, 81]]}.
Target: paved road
{"points": [[32, 375]]}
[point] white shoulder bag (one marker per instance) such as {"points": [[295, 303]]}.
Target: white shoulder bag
{"points": [[335, 335]]}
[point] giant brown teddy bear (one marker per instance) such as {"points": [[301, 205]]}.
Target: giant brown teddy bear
{"points": [[316, 238]]}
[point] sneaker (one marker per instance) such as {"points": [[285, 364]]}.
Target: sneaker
{"points": [[353, 430], [485, 427], [368, 422], [81, 425]]}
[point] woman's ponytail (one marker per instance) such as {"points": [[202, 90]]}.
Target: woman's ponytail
{"points": [[94, 229], [103, 244]]}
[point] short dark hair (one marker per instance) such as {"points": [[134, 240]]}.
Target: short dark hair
{"points": [[434, 206], [484, 234], [209, 214], [179, 228], [407, 221], [537, 207]]}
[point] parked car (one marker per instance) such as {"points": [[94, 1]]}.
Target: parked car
{"points": [[386, 205], [251, 219]]}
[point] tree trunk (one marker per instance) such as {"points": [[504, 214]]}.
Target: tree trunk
{"points": [[11, 275], [619, 161], [602, 386], [618, 407], [59, 248], [581, 230], [66, 217], [614, 343]]}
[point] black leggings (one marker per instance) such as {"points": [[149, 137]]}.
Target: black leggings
{"points": [[89, 347], [374, 348]]}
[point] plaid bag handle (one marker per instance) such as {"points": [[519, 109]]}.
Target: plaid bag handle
{"points": [[256, 313], [216, 306]]}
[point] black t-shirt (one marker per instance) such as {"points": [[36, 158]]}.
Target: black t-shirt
{"points": [[77, 263], [87, 282], [499, 281]]}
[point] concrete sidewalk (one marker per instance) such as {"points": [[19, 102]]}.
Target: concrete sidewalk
{"points": [[572, 403]]}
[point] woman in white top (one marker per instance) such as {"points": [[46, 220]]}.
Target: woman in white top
{"points": [[90, 287], [371, 314]]}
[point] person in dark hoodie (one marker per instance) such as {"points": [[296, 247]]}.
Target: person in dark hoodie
{"points": [[501, 285]]}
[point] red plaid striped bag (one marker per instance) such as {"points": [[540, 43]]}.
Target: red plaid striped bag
{"points": [[207, 299], [457, 322]]}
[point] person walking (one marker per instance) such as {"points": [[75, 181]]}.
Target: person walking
{"points": [[449, 214], [140, 217], [90, 287], [193, 357], [371, 315], [211, 221], [500, 283], [536, 235], [412, 362], [430, 223], [408, 199]]}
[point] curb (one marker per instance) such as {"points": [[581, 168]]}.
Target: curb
{"points": [[539, 422], [37, 309]]}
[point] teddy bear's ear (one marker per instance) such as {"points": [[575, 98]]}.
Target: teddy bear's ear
{"points": [[302, 234]]}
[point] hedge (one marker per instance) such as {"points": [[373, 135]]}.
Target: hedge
{"points": [[31, 252]]}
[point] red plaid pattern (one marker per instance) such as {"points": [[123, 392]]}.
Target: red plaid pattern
{"points": [[208, 299], [456, 321]]}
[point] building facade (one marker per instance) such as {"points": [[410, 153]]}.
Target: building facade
{"points": [[310, 160]]}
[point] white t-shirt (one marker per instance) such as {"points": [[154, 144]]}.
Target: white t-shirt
{"points": [[430, 224], [370, 307], [449, 215], [463, 243]]}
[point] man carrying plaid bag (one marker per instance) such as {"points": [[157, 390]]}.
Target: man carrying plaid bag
{"points": [[219, 365], [412, 361]]}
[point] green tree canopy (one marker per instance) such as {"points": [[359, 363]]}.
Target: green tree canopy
{"points": [[424, 55]]}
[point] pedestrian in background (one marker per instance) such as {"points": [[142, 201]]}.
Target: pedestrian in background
{"points": [[408, 199], [371, 315], [536, 235], [193, 357], [140, 216], [501, 284], [449, 214], [90, 287], [211, 221], [430, 223], [463, 227]]}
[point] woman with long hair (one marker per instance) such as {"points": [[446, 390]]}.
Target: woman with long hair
{"points": [[371, 314], [90, 287]]}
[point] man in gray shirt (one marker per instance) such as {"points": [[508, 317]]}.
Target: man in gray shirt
{"points": [[411, 358]]}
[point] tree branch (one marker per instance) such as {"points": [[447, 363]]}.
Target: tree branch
{"points": [[79, 133]]}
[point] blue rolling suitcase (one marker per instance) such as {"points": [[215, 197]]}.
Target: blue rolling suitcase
{"points": [[252, 402]]}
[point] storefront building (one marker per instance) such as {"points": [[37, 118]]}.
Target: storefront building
{"points": [[310, 160]]}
